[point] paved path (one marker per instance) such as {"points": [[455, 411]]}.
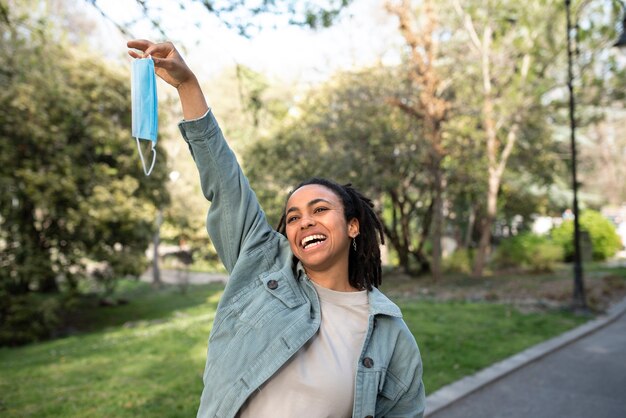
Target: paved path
{"points": [[584, 378], [183, 277]]}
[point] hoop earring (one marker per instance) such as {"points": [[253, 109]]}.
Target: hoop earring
{"points": [[354, 243]]}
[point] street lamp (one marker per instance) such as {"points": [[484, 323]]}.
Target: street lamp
{"points": [[579, 299]]}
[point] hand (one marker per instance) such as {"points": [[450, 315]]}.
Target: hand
{"points": [[168, 63], [170, 66]]}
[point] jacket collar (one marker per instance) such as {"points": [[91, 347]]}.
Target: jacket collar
{"points": [[379, 303]]}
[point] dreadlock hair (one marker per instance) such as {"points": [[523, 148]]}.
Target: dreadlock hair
{"points": [[364, 271]]}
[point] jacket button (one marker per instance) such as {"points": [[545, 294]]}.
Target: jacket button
{"points": [[272, 284], [368, 362], [369, 416]]}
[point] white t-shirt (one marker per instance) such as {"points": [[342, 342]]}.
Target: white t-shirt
{"points": [[318, 382]]}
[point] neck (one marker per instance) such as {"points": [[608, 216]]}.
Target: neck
{"points": [[333, 278]]}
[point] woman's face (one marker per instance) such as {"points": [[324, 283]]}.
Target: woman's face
{"points": [[317, 229]]}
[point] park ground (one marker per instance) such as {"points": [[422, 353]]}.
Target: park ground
{"points": [[144, 356]]}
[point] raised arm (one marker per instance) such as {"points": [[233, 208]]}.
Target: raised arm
{"points": [[235, 221]]}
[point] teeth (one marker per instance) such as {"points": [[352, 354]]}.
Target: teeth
{"points": [[305, 242]]}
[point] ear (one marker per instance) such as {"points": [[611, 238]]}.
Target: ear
{"points": [[353, 227]]}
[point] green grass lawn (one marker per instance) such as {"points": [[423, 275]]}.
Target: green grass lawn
{"points": [[457, 339], [146, 358]]}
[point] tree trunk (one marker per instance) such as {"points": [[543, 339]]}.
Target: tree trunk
{"points": [[470, 227], [497, 158], [401, 248], [48, 284], [418, 254], [430, 107], [484, 245], [156, 240], [394, 232], [39, 257], [437, 229]]}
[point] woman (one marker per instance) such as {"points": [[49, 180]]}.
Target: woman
{"points": [[301, 329]]}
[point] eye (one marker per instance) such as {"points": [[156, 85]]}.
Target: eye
{"points": [[290, 219], [320, 209]]}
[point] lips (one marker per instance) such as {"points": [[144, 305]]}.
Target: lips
{"points": [[312, 241]]}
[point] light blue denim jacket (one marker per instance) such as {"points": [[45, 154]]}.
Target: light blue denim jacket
{"points": [[268, 311]]}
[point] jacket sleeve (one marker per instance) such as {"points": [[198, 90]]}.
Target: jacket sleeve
{"points": [[235, 221]]}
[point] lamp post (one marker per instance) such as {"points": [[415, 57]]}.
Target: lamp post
{"points": [[579, 298], [579, 301]]}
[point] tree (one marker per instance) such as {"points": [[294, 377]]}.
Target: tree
{"points": [[426, 102], [602, 158], [73, 190], [246, 17], [515, 47], [599, 86], [347, 130]]}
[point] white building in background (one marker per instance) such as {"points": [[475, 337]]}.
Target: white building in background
{"points": [[542, 225], [621, 231]]}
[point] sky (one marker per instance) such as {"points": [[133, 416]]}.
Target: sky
{"points": [[364, 35]]}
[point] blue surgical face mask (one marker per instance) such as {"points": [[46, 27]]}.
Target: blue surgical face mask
{"points": [[145, 120]]}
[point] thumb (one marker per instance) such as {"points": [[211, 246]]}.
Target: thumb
{"points": [[163, 63]]}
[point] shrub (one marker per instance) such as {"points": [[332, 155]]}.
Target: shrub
{"points": [[459, 261], [528, 251], [605, 241], [27, 318]]}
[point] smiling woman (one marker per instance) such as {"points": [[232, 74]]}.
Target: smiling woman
{"points": [[353, 213], [301, 329]]}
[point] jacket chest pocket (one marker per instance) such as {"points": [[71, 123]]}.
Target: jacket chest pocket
{"points": [[380, 391], [274, 293], [390, 389]]}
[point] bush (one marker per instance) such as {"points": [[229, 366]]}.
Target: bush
{"points": [[460, 261], [604, 239], [27, 318], [528, 251]]}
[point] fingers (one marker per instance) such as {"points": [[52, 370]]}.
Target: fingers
{"points": [[161, 50], [171, 66], [168, 63], [140, 44]]}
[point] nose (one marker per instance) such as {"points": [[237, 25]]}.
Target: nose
{"points": [[306, 222]]}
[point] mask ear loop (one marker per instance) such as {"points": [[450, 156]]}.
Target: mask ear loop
{"points": [[143, 162]]}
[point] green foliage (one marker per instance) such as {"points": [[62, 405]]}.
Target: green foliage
{"points": [[72, 187], [460, 261], [529, 251], [27, 318], [605, 241]]}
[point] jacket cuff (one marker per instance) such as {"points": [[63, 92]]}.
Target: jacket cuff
{"points": [[198, 129]]}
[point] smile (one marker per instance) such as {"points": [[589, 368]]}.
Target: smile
{"points": [[312, 241]]}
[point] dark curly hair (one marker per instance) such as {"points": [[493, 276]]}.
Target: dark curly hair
{"points": [[365, 270]]}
